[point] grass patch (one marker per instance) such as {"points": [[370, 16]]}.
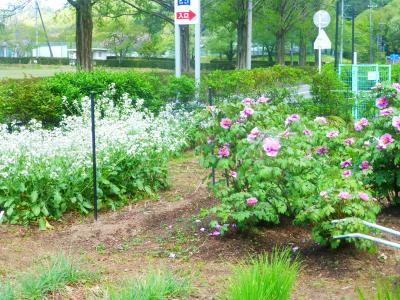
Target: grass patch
{"points": [[51, 276], [6, 291], [160, 285], [386, 290], [266, 277]]}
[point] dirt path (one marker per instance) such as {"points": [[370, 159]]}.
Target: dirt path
{"points": [[142, 236]]}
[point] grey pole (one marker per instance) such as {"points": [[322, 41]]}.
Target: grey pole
{"points": [[249, 33], [371, 57], [178, 51], [197, 52], [341, 33], [37, 33]]}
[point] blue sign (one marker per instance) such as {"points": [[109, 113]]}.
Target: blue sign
{"points": [[183, 2]]}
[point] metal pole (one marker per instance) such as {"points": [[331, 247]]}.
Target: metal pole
{"points": [[249, 33], [319, 48], [197, 51], [178, 63], [371, 57], [352, 35], [336, 35], [44, 29], [37, 34], [341, 34], [93, 117]]}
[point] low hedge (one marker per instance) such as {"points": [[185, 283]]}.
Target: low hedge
{"points": [[41, 99]]}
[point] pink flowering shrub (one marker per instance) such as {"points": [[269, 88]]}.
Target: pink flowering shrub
{"points": [[379, 144], [271, 162]]}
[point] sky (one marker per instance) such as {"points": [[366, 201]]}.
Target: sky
{"points": [[56, 4]]}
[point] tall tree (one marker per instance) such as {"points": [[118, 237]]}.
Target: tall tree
{"points": [[162, 9], [284, 15], [84, 32]]}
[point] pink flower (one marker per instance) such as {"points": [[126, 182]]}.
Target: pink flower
{"points": [[332, 134], [364, 165], [348, 141], [382, 102], [321, 120], [307, 132], [271, 147], [396, 122], [358, 126], [226, 123], [396, 86], [346, 163], [215, 233], [253, 134], [385, 140], [346, 173], [247, 112], [224, 151], [386, 112], [286, 133], [344, 195], [322, 150], [363, 196], [324, 194], [233, 174], [210, 140], [251, 201], [248, 101], [291, 119], [262, 99]]}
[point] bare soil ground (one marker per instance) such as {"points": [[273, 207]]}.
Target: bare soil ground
{"points": [[142, 236]]}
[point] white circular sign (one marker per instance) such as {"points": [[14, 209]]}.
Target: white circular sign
{"points": [[322, 19]]}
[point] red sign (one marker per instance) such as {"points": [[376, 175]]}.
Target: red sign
{"points": [[185, 15]]}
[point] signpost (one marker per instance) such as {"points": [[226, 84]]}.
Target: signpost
{"points": [[188, 12], [322, 19]]}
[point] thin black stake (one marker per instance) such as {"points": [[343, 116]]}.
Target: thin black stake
{"points": [[94, 156], [210, 100]]}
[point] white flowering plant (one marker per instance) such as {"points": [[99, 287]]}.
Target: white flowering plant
{"points": [[272, 163], [45, 173]]}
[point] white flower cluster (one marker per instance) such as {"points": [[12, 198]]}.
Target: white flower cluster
{"points": [[124, 130]]}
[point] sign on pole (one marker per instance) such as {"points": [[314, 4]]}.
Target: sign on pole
{"points": [[322, 41], [321, 20], [187, 12]]}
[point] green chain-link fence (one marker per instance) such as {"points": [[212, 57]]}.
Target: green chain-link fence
{"points": [[358, 80]]}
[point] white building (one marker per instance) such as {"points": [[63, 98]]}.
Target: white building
{"points": [[98, 53], [59, 51]]}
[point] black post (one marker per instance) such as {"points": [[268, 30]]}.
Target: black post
{"points": [[94, 156], [353, 46], [337, 35]]}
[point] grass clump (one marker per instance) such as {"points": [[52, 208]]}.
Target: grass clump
{"points": [[386, 290], [267, 277], [50, 277], [159, 285], [6, 291]]}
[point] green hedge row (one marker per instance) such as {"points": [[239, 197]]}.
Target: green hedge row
{"points": [[41, 99]]}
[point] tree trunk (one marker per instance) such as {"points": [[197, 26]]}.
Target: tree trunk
{"points": [[280, 48], [185, 48], [231, 52], [302, 50], [242, 42], [84, 32], [270, 50]]}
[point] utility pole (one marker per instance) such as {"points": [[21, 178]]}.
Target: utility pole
{"points": [[353, 46], [249, 33], [44, 28], [336, 35], [371, 33]]}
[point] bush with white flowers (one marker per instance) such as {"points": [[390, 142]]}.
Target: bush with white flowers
{"points": [[44, 173]]}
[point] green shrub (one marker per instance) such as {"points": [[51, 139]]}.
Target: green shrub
{"points": [[386, 290], [267, 277], [329, 98], [27, 99], [6, 291], [155, 285]]}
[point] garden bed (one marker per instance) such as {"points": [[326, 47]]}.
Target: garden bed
{"points": [[142, 237]]}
